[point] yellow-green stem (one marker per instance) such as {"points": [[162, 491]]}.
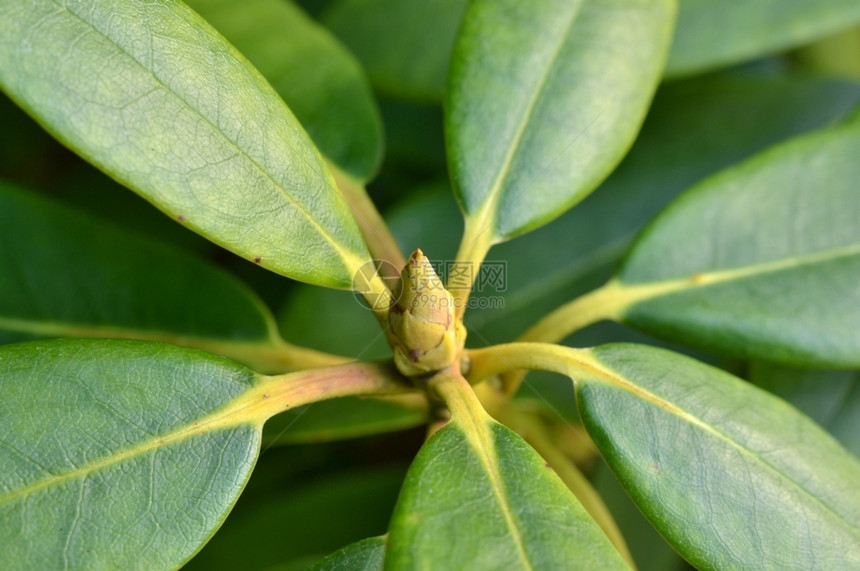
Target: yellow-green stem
{"points": [[476, 242], [602, 303]]}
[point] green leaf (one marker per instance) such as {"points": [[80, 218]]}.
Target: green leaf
{"points": [[146, 449], [830, 398], [68, 274], [123, 475], [153, 96], [466, 505], [339, 419], [730, 475], [319, 80], [694, 128], [530, 127], [759, 261], [711, 33], [365, 555], [405, 46]]}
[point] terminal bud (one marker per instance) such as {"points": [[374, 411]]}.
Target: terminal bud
{"points": [[422, 321]]}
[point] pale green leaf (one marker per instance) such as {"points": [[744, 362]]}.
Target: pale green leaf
{"points": [[154, 97], [714, 33], [467, 507], [759, 261], [319, 80], [544, 99], [732, 476], [405, 46]]}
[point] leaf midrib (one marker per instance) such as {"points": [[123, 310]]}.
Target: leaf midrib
{"points": [[488, 210], [221, 419], [616, 378], [479, 435], [347, 259], [633, 293]]}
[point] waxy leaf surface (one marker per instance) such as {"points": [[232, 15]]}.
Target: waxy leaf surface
{"points": [[759, 261], [153, 96], [105, 459], [464, 507], [319, 80], [544, 98], [729, 474]]}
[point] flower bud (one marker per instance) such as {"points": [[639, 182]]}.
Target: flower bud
{"points": [[422, 321]]}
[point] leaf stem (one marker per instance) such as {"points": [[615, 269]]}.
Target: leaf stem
{"points": [[476, 242], [597, 305]]}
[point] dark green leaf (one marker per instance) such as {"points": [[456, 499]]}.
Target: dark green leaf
{"points": [[405, 46], [339, 419], [365, 555], [712, 33], [153, 96], [301, 520], [67, 274], [830, 398], [759, 261], [320, 82], [530, 127], [730, 475], [466, 507], [106, 463]]}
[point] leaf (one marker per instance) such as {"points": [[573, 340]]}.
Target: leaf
{"points": [[68, 274], [694, 128], [711, 34], [530, 128], [759, 261], [364, 555], [470, 505], [730, 475], [147, 448], [319, 80], [153, 96], [405, 46], [830, 398], [125, 476]]}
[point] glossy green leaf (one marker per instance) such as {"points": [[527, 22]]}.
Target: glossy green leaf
{"points": [[66, 274], [405, 46], [830, 398], [530, 128], [339, 419], [365, 555], [712, 33], [321, 83], [730, 475], [120, 476], [145, 449], [759, 261], [467, 507], [154, 97]]}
